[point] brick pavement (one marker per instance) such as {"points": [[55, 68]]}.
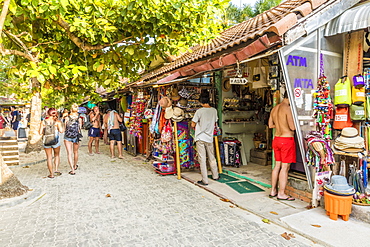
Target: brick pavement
{"points": [[145, 209]]}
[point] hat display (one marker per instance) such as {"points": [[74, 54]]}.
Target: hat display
{"points": [[178, 114], [349, 141], [175, 94], [165, 102], [339, 186], [168, 112], [184, 93], [183, 102]]}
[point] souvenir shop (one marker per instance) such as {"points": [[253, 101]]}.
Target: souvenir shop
{"points": [[158, 112]]}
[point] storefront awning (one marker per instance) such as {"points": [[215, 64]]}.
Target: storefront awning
{"points": [[353, 19]]}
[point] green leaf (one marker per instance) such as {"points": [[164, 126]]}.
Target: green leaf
{"points": [[64, 4]]}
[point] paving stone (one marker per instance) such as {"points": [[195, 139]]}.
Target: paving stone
{"points": [[144, 209]]}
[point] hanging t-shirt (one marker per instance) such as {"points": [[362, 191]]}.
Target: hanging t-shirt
{"points": [[205, 119]]}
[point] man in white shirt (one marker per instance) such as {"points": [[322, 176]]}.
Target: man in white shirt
{"points": [[204, 123]]}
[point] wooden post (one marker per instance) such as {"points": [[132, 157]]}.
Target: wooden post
{"points": [[178, 168], [218, 156]]}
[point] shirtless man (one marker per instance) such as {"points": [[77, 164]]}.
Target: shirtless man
{"points": [[111, 121], [94, 131], [284, 147]]}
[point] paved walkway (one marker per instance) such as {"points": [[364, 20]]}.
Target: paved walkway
{"points": [[144, 209]]}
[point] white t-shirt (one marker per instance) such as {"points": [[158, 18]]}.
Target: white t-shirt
{"points": [[205, 119]]}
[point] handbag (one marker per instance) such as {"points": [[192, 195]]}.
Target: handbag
{"points": [[166, 135], [122, 126]]}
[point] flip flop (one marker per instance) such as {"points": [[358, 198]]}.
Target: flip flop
{"points": [[76, 167], [50, 176], [286, 199], [57, 173], [72, 173], [272, 196]]}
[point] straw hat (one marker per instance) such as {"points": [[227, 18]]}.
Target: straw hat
{"points": [[168, 112], [350, 135], [165, 102], [183, 102], [178, 114], [175, 94], [339, 186]]}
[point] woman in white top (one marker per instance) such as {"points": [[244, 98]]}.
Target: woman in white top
{"points": [[52, 119]]}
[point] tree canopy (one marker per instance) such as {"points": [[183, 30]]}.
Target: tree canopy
{"points": [[234, 15], [72, 47]]}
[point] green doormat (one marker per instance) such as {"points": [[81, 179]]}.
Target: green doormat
{"points": [[244, 187], [225, 178]]}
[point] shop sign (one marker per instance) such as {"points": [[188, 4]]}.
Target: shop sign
{"points": [[296, 61], [239, 81]]}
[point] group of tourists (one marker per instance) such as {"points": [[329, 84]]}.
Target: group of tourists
{"points": [[71, 123], [13, 119]]}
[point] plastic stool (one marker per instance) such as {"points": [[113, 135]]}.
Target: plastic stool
{"points": [[337, 205]]}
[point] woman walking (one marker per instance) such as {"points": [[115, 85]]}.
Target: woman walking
{"points": [[72, 137], [51, 128]]}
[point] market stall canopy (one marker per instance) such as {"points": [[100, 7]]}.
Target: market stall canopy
{"points": [[353, 19]]}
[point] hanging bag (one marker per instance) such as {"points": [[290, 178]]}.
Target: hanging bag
{"points": [[357, 112], [342, 93], [166, 135], [342, 118], [358, 95]]}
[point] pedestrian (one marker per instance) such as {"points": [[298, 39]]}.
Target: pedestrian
{"points": [[65, 115], [94, 131], [2, 123], [111, 121], [15, 117], [283, 145], [204, 122], [51, 126], [72, 137]]}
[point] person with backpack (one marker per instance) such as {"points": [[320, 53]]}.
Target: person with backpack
{"points": [[72, 137], [51, 128]]}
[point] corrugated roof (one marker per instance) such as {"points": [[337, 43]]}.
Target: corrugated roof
{"points": [[353, 19], [274, 21]]}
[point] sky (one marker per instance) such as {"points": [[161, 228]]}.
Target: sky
{"points": [[241, 2]]}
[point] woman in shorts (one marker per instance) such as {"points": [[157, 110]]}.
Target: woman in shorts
{"points": [[72, 142], [52, 119]]}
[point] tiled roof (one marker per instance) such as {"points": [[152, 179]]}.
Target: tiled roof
{"points": [[275, 21]]}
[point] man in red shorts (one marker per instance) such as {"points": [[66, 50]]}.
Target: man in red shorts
{"points": [[284, 147]]}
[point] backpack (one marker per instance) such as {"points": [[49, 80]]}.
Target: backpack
{"points": [[49, 134], [72, 128]]}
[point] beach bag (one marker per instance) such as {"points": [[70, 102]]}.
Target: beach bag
{"points": [[49, 134], [358, 95], [342, 93], [342, 119], [72, 128], [357, 112], [166, 135]]}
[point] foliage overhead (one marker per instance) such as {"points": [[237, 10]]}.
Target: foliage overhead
{"points": [[234, 15], [72, 46]]}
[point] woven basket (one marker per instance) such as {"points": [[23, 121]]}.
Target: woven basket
{"points": [[360, 204]]}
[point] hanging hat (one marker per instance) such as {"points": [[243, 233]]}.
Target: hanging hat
{"points": [[183, 102], [175, 94], [226, 86], [339, 186], [178, 114], [168, 112], [184, 93], [165, 102]]}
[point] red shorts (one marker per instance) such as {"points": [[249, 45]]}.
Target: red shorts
{"points": [[284, 149]]}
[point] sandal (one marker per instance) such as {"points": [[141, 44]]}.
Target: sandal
{"points": [[76, 167], [50, 176], [58, 173], [72, 173]]}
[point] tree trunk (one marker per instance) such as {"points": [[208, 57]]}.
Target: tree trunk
{"points": [[9, 184], [34, 142]]}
